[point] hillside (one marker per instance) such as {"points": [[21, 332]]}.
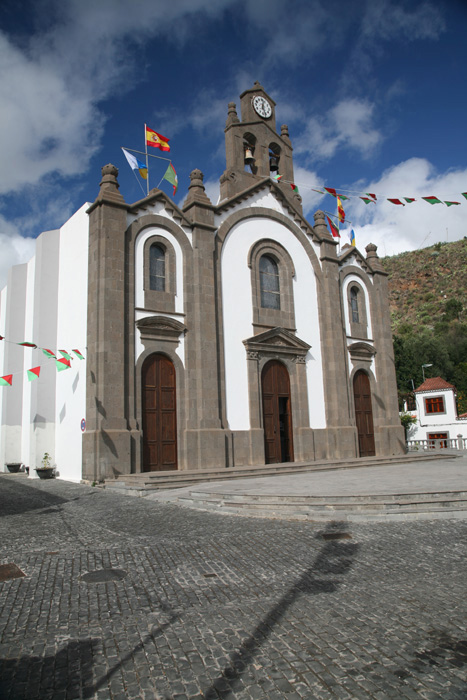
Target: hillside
{"points": [[422, 282], [428, 301]]}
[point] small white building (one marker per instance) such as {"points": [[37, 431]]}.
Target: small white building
{"points": [[438, 424]]}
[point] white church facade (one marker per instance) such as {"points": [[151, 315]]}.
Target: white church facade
{"points": [[214, 335]]}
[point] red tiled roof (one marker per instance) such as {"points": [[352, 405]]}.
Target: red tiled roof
{"points": [[435, 384]]}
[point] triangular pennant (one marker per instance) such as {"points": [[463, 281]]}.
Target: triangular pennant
{"points": [[334, 229], [48, 353], [65, 354], [409, 200], [7, 380], [277, 177], [78, 354], [367, 200], [294, 188], [373, 196], [432, 200], [62, 364], [331, 190], [464, 194], [396, 201], [27, 345], [33, 373], [450, 204]]}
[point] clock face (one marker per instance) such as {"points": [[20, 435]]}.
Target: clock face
{"points": [[262, 106]]}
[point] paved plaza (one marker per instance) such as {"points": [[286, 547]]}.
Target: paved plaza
{"points": [[126, 597]]}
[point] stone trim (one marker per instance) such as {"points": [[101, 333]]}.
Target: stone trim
{"points": [[272, 318], [154, 300], [361, 352], [161, 328], [357, 329]]}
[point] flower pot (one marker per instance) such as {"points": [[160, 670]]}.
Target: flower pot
{"points": [[45, 473], [14, 467]]}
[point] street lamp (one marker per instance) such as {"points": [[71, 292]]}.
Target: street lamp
{"points": [[423, 371]]}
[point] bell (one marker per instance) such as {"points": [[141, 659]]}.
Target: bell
{"points": [[273, 164], [249, 160]]}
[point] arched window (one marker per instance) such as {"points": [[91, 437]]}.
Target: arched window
{"points": [[269, 283], [157, 268], [354, 304]]}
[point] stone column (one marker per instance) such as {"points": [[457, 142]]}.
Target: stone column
{"points": [[206, 439], [389, 433], [106, 442], [340, 438]]}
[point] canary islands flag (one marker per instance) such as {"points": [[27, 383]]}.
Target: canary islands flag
{"points": [[136, 164]]}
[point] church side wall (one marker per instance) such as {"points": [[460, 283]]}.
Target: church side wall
{"points": [[13, 363], [71, 334]]}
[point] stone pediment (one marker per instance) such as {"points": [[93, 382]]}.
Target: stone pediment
{"points": [[350, 254], [276, 342], [361, 351], [160, 328]]}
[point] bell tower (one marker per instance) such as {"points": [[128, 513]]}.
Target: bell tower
{"points": [[254, 149]]}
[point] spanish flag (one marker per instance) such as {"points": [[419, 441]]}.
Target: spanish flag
{"points": [[156, 140]]}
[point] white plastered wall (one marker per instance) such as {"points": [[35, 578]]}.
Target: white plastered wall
{"points": [[238, 316], [71, 334]]}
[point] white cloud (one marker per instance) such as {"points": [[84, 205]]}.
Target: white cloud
{"points": [[16, 249], [349, 125], [394, 228]]}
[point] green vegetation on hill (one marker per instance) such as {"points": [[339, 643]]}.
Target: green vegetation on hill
{"points": [[428, 302]]}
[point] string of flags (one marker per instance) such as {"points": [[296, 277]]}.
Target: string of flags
{"points": [[371, 198], [61, 363]]}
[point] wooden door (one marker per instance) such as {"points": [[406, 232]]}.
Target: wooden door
{"points": [[159, 414], [364, 414], [277, 413]]}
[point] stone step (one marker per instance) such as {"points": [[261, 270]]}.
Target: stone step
{"points": [[148, 481], [357, 508]]}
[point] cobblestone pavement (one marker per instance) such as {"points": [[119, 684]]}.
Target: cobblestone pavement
{"points": [[207, 606]]}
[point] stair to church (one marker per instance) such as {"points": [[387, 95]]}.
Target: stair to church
{"points": [[387, 507], [144, 483]]}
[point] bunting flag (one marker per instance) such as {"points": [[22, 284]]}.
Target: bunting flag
{"points": [[171, 176], [432, 200], [320, 191], [78, 354], [352, 237], [7, 380], [331, 190], [373, 196], [157, 140], [464, 194], [136, 164], [367, 200], [65, 354], [48, 353], [27, 345], [62, 364], [409, 200], [396, 201], [340, 210], [1, 337], [279, 177], [34, 373], [450, 204], [334, 229], [294, 188]]}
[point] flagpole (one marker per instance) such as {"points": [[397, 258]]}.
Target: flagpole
{"points": [[147, 163], [338, 228]]}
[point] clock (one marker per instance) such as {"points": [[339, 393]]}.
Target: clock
{"points": [[262, 106]]}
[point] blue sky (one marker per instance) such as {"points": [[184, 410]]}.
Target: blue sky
{"points": [[373, 92]]}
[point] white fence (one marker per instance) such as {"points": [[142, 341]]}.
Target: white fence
{"points": [[458, 443]]}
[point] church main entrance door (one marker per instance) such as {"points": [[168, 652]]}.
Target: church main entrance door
{"points": [[159, 414], [277, 413], [364, 414]]}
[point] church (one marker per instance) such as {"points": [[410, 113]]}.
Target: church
{"points": [[214, 335]]}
